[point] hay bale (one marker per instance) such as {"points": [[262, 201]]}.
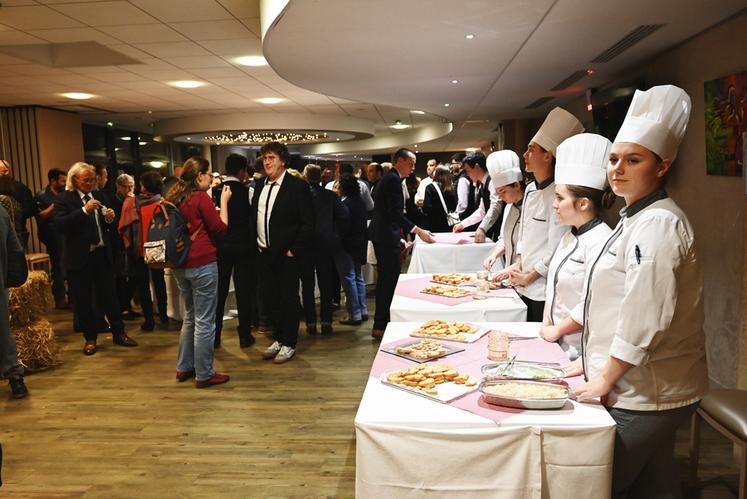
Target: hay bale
{"points": [[31, 301], [36, 345]]}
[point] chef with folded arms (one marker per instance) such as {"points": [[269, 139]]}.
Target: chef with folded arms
{"points": [[505, 175], [581, 192], [540, 229], [643, 342]]}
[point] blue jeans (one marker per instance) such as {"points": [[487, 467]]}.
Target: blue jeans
{"points": [[199, 291], [353, 284]]}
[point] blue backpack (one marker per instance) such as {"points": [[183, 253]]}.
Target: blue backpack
{"points": [[168, 238]]}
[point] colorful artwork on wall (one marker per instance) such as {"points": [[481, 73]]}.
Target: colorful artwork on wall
{"points": [[725, 124]]}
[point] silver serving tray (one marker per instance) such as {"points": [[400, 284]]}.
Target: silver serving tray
{"points": [[393, 350], [523, 403], [492, 372]]}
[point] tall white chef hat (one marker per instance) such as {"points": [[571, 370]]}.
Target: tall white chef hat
{"points": [[582, 160], [657, 120], [558, 126], [503, 168]]}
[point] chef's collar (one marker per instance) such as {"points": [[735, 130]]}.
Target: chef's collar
{"points": [[633, 209], [586, 227], [546, 183]]}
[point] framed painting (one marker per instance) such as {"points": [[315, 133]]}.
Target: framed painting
{"points": [[725, 124]]}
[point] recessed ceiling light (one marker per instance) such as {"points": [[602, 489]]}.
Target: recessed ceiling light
{"points": [[142, 143], [416, 145], [398, 125], [187, 84], [338, 138], [124, 138], [189, 138], [447, 104], [469, 36], [251, 60], [150, 112], [454, 81], [157, 164], [78, 95], [269, 100]]}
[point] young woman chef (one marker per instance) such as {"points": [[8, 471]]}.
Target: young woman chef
{"points": [[505, 175], [643, 341], [540, 230], [580, 194]]}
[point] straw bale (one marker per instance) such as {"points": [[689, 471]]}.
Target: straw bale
{"points": [[31, 301], [37, 348]]}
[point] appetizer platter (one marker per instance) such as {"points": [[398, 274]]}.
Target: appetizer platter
{"points": [[446, 291], [423, 350], [521, 370], [454, 279], [438, 382], [451, 331], [525, 394]]}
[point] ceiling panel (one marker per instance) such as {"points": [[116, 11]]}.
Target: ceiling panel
{"points": [[244, 46], [144, 33], [213, 30], [241, 8], [35, 17], [198, 62], [210, 73], [172, 11], [116, 76], [117, 13], [17, 38], [67, 35], [174, 49], [254, 25]]}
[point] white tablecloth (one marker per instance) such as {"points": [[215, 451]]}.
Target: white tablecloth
{"points": [[408, 446], [502, 309], [440, 257]]}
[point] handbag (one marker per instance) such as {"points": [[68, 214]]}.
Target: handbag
{"points": [[451, 218]]}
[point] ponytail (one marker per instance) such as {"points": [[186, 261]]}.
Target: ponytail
{"points": [[182, 190]]}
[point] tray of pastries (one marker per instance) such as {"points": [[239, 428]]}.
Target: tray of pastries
{"points": [[438, 382], [449, 330], [454, 279], [423, 350], [446, 291], [525, 394]]}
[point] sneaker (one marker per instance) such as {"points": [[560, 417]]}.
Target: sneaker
{"points": [[18, 387], [271, 351], [216, 379], [284, 355]]}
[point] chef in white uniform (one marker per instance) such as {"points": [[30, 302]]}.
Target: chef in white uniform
{"points": [[643, 342], [581, 192], [540, 229], [505, 175]]}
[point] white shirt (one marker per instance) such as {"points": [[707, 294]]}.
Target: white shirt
{"points": [[463, 184], [510, 230], [540, 233], [566, 275], [485, 217], [96, 216], [420, 195], [264, 209], [644, 305]]}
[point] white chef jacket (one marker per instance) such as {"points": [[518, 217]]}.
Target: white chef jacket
{"points": [[644, 305], [566, 275], [540, 233], [510, 229]]}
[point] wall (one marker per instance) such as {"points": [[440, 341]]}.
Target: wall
{"points": [[60, 137]]}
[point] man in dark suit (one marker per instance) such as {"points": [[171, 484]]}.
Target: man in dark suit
{"points": [[283, 227], [236, 253], [330, 219], [84, 222], [387, 225]]}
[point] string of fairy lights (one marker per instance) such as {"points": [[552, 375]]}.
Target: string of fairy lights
{"points": [[264, 137]]}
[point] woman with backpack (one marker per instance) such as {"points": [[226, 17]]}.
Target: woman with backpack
{"points": [[198, 278]]}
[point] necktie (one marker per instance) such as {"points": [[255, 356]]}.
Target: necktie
{"points": [[267, 214], [95, 238]]}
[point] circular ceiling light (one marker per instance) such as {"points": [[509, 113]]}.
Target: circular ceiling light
{"points": [[157, 164], [269, 100], [251, 60], [447, 104], [417, 112], [398, 125], [469, 36], [454, 81], [187, 84], [78, 95]]}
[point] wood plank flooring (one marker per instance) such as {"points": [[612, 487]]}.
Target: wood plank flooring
{"points": [[117, 424]]}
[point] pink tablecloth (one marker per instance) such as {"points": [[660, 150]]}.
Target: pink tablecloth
{"points": [[410, 288], [470, 362]]}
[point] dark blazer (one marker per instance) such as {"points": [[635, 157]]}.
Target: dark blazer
{"points": [[77, 230], [388, 216], [292, 219], [238, 237], [354, 240], [330, 219], [433, 210], [11, 253]]}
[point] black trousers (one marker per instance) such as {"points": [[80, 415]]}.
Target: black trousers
{"points": [[159, 286], [241, 264], [96, 278], [388, 264], [278, 277], [535, 309], [53, 243], [321, 265], [139, 278]]}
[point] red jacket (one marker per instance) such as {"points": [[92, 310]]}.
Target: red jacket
{"points": [[199, 209]]}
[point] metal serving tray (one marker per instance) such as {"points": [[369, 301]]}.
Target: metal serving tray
{"points": [[449, 350], [522, 370], [524, 403]]}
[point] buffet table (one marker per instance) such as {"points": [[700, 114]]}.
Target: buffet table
{"points": [[408, 305], [452, 252], [410, 446]]}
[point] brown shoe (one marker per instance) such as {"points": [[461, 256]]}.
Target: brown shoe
{"points": [[182, 376], [90, 347], [377, 333], [216, 379], [123, 340]]}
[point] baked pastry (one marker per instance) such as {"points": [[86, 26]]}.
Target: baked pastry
{"points": [[448, 291], [454, 279], [426, 377], [457, 331], [425, 349]]}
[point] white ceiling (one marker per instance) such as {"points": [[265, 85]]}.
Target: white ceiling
{"points": [[375, 61]]}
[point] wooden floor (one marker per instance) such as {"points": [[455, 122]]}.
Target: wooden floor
{"points": [[117, 424]]}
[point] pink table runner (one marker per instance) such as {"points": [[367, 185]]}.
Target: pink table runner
{"points": [[455, 238], [471, 361], [410, 288]]}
